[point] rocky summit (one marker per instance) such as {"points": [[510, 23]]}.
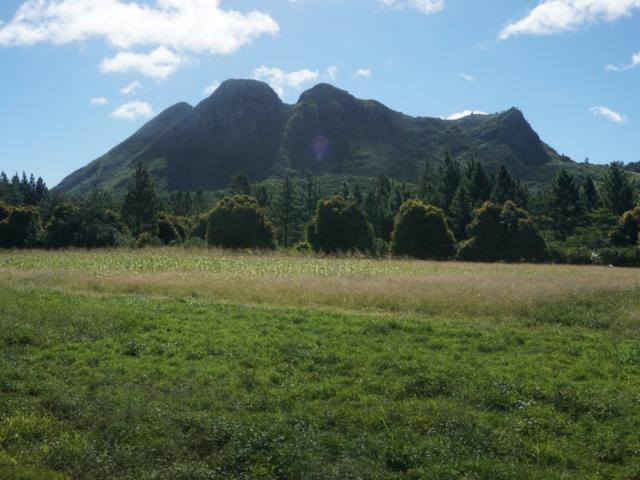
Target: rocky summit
{"points": [[244, 127]]}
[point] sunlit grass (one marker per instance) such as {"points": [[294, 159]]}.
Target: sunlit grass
{"points": [[355, 283], [173, 364]]}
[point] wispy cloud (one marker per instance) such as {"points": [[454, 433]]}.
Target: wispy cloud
{"points": [[635, 62], [98, 101], [465, 113], [208, 90], [132, 111], [191, 26], [609, 114], [554, 16], [424, 6], [157, 64], [468, 78], [131, 88], [281, 81], [363, 73], [332, 73]]}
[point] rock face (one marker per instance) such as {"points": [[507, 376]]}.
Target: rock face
{"points": [[244, 127]]}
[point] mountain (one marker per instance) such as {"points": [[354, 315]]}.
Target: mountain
{"points": [[245, 127]]}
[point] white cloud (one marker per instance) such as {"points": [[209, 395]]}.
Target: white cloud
{"points": [[157, 64], [362, 73], [332, 73], [98, 101], [191, 26], [133, 111], [211, 88], [281, 81], [131, 88], [609, 114], [465, 113], [424, 6], [635, 62], [468, 78], [553, 16]]}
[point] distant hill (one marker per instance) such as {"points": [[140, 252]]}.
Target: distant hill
{"points": [[245, 127]]}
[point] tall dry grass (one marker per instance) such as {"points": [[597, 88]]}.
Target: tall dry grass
{"points": [[442, 288]]}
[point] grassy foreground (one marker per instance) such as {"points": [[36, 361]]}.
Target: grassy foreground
{"points": [[174, 364]]}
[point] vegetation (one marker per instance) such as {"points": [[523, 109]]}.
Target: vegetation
{"points": [[421, 231], [210, 364], [140, 206], [340, 226], [239, 222], [261, 136], [503, 233], [572, 221]]}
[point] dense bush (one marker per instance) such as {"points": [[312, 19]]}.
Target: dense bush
{"points": [[173, 229], [620, 256], [199, 227], [503, 233], [20, 228], [101, 229], [628, 228], [5, 210], [240, 222], [421, 231], [340, 225], [145, 239], [63, 226]]}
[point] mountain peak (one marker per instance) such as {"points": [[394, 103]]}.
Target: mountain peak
{"points": [[244, 127], [244, 88], [324, 92]]}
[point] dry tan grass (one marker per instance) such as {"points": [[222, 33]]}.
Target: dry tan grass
{"points": [[281, 280]]}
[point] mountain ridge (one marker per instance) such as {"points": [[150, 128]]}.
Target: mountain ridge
{"points": [[245, 127]]}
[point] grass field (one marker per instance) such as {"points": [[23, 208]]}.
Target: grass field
{"points": [[198, 364]]}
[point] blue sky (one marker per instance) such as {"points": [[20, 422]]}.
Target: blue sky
{"points": [[572, 66]]}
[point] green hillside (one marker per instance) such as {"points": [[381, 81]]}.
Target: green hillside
{"points": [[245, 127]]}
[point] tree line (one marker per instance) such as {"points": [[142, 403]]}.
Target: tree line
{"points": [[453, 210]]}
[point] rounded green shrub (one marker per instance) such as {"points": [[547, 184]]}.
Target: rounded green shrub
{"points": [[63, 226], [22, 228], [421, 231], [340, 226], [168, 229], [240, 222], [628, 229], [503, 233]]}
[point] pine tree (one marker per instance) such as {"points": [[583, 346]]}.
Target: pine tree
{"points": [[5, 187], [262, 196], [41, 190], [99, 225], [617, 189], [356, 194], [346, 192], [564, 202], [428, 186], [140, 207], [462, 210], [450, 178], [378, 208], [504, 187], [287, 212], [240, 185], [590, 196], [480, 184], [199, 203], [311, 195], [15, 191]]}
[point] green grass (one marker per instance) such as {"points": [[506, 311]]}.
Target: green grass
{"points": [[98, 382]]}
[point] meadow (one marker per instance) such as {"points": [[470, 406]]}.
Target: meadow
{"points": [[196, 364]]}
